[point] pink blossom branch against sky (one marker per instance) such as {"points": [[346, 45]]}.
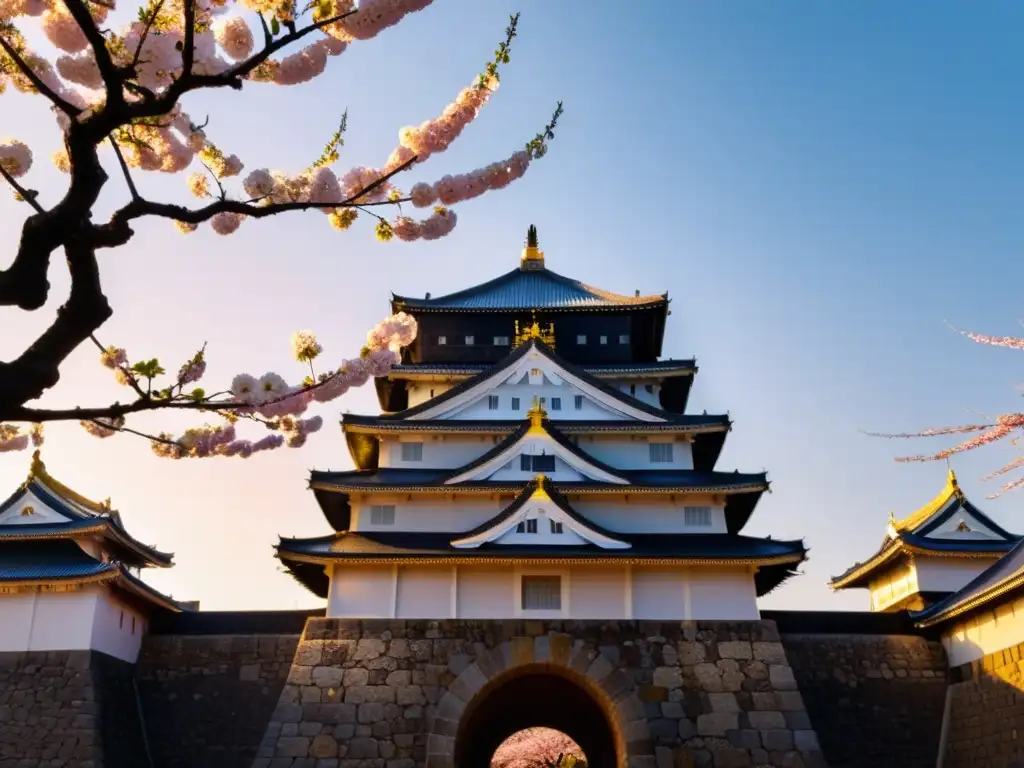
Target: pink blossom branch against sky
{"points": [[818, 187]]}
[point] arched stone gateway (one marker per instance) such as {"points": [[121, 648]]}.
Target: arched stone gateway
{"points": [[445, 694], [540, 695]]}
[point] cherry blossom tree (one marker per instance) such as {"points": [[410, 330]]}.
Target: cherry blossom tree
{"points": [[538, 748], [984, 433], [118, 99]]}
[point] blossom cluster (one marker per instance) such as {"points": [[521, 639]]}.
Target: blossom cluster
{"points": [[537, 748], [15, 157], [14, 438]]}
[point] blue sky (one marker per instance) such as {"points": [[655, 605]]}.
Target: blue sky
{"points": [[818, 186]]}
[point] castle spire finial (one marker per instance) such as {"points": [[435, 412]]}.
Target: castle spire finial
{"points": [[536, 415], [533, 257]]}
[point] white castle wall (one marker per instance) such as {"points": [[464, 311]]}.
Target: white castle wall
{"points": [[588, 592], [88, 618], [638, 388], [924, 574], [641, 513], [987, 632]]}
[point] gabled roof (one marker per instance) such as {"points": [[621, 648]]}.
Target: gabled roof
{"points": [[362, 433], [572, 372], [658, 369], [537, 426], [526, 289], [1002, 580], [42, 562], [741, 491], [539, 491], [919, 534], [305, 559], [82, 517]]}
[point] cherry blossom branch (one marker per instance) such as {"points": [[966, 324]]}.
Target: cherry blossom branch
{"points": [[37, 83], [28, 195], [126, 171], [109, 72]]}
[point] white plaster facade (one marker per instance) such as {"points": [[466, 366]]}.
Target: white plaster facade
{"points": [[493, 591], [993, 629], [923, 574], [86, 618]]}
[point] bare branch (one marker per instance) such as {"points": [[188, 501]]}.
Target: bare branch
{"points": [[111, 77], [33, 78], [28, 195], [125, 170], [145, 33], [188, 52], [130, 431]]}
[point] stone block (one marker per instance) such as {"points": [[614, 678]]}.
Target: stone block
{"points": [[731, 757], [408, 695], [781, 677], [668, 677], [299, 675], [361, 747], [521, 650], [767, 720], [723, 702], [690, 653], [292, 746], [250, 673], [789, 701], [362, 694], [770, 653], [797, 721], [327, 677], [709, 677], [371, 712], [650, 693], [355, 676], [469, 683], [806, 741], [399, 677], [599, 669], [561, 648], [735, 649], [369, 648], [673, 710], [777, 740], [323, 745], [717, 723], [399, 649], [309, 654]]}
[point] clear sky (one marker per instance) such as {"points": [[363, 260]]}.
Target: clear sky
{"points": [[818, 186]]}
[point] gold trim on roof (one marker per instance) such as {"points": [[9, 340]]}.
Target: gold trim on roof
{"points": [[915, 519], [38, 472], [995, 591]]}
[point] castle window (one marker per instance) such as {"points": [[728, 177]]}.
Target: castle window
{"points": [[527, 526], [542, 463], [661, 453], [556, 527], [542, 593], [501, 341], [581, 339], [412, 451], [624, 338], [492, 402], [133, 625], [604, 339], [515, 403], [697, 516], [556, 403], [632, 390], [121, 624], [470, 340], [578, 402], [442, 340], [649, 388], [536, 373], [382, 514]]}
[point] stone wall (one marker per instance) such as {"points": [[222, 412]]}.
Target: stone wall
{"points": [[986, 712], [394, 693], [874, 700], [68, 709], [207, 699]]}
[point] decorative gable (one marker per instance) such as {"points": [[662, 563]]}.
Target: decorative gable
{"points": [[533, 371], [537, 518], [537, 449], [28, 508]]}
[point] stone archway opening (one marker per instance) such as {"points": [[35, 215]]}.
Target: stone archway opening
{"points": [[536, 697], [539, 748]]}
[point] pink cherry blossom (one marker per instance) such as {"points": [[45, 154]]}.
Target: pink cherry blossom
{"points": [[225, 223], [234, 36], [15, 157], [535, 748], [63, 31]]}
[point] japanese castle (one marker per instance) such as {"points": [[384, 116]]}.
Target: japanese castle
{"points": [[69, 573], [931, 554], [534, 459]]}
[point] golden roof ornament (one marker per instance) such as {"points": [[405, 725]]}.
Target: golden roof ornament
{"points": [[536, 415], [533, 256], [37, 471], [534, 331]]}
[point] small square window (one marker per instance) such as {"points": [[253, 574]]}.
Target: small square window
{"points": [[697, 516], [661, 453], [542, 593], [412, 451], [542, 401], [556, 403], [604, 339], [470, 340], [578, 401], [501, 341], [649, 389], [556, 527], [581, 339], [624, 338], [531, 526], [382, 514], [515, 403], [521, 526], [632, 390], [492, 402], [442, 340]]}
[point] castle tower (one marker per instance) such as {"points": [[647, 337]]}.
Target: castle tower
{"points": [[930, 554], [69, 573], [534, 460]]}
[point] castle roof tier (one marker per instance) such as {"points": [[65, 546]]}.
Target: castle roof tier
{"points": [[50, 535], [999, 583], [534, 460], [930, 553]]}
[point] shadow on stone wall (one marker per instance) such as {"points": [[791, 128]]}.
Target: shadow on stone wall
{"points": [[207, 699], [874, 700], [986, 712]]}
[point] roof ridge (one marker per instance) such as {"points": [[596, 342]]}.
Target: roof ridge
{"points": [[37, 471]]}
